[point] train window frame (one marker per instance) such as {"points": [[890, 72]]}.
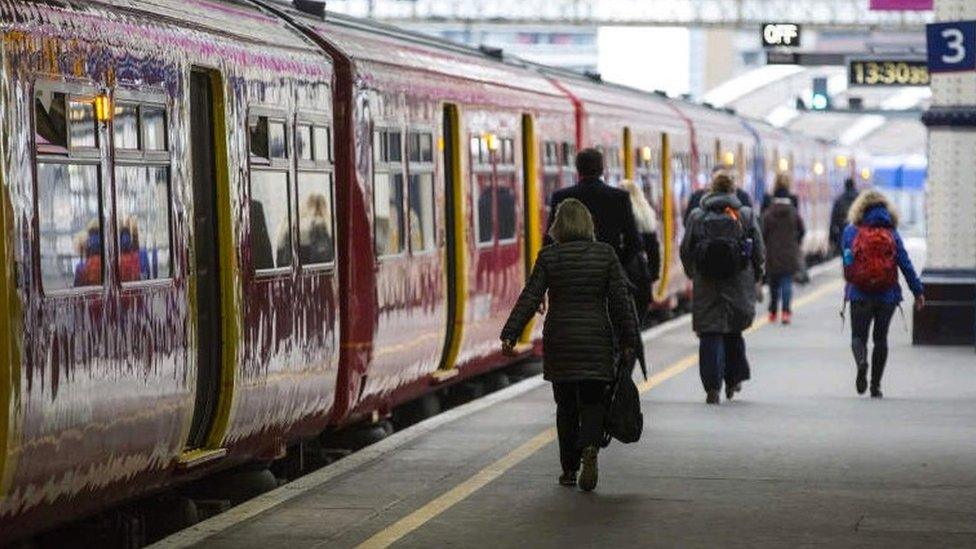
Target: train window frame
{"points": [[276, 165], [384, 163], [319, 166], [269, 116], [422, 167], [505, 166], [496, 185], [144, 158], [67, 155]]}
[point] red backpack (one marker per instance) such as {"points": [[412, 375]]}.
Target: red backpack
{"points": [[875, 265]]}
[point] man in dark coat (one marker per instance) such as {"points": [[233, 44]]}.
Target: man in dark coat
{"points": [[838, 214], [722, 308], [610, 207]]}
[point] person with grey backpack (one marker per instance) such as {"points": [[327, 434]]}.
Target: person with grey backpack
{"points": [[722, 252]]}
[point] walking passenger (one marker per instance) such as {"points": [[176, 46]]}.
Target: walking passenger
{"points": [[838, 214], [613, 217], [722, 252], [590, 318], [782, 229], [646, 220], [695, 199], [873, 252]]}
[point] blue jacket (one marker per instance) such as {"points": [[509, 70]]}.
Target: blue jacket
{"points": [[878, 216]]}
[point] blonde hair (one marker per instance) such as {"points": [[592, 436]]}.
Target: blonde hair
{"points": [[783, 181], [722, 183], [643, 213], [573, 222]]}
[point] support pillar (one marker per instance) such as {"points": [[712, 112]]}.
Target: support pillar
{"points": [[950, 271]]}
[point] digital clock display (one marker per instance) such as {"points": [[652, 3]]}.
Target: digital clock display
{"points": [[887, 72]]}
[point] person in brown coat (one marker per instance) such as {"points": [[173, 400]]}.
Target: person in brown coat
{"points": [[590, 317], [783, 231]]}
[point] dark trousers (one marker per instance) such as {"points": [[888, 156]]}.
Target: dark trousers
{"points": [[863, 315], [722, 357], [580, 407], [780, 287]]}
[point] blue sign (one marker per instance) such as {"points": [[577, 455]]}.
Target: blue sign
{"points": [[952, 46]]}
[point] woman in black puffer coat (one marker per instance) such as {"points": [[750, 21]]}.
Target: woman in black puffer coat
{"points": [[589, 305]]}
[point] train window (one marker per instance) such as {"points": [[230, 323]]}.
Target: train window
{"points": [[484, 198], [267, 139], [50, 122], [549, 153], [322, 144], [142, 199], [277, 144], [388, 213], [505, 204], [154, 127], [508, 151], [476, 150], [394, 147], [81, 124], [420, 192], [270, 219], [69, 225], [420, 147], [303, 142], [316, 245], [569, 154], [125, 126]]}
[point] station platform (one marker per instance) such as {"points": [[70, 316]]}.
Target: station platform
{"points": [[798, 458]]}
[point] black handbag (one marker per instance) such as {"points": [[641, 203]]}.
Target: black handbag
{"points": [[624, 420]]}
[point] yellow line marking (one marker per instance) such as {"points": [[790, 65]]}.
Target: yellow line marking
{"points": [[396, 531]]}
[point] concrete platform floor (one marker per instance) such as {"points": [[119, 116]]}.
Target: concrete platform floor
{"points": [[797, 459]]}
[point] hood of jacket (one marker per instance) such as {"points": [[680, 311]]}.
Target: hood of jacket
{"points": [[874, 209], [720, 201], [780, 207]]}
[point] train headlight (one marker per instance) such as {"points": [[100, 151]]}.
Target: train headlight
{"points": [[818, 168]]}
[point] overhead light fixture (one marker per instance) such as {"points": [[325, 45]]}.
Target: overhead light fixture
{"points": [[818, 168], [783, 164], [646, 154], [840, 161], [865, 174], [492, 141], [729, 159]]}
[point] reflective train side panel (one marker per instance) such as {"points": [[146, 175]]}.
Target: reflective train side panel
{"points": [[108, 292]]}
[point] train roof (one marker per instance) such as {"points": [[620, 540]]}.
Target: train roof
{"points": [[251, 24], [379, 45]]}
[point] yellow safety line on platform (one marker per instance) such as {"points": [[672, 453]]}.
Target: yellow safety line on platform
{"points": [[396, 531]]}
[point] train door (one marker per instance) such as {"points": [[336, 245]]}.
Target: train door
{"points": [[205, 153], [454, 245]]}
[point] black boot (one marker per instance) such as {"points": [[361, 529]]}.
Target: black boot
{"points": [[588, 471], [568, 478], [877, 370], [862, 379]]}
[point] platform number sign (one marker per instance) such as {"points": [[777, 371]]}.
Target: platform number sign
{"points": [[952, 46]]}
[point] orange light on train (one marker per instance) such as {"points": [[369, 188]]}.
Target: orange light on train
{"points": [[646, 154], [841, 161], [865, 174], [103, 107], [440, 144], [728, 159], [492, 141], [818, 168], [784, 164]]}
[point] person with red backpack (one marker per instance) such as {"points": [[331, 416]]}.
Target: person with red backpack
{"points": [[873, 252]]}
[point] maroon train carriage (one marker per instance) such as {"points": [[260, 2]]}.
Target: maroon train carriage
{"points": [[222, 239]]}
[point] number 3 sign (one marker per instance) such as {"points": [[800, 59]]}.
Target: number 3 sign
{"points": [[952, 46]]}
